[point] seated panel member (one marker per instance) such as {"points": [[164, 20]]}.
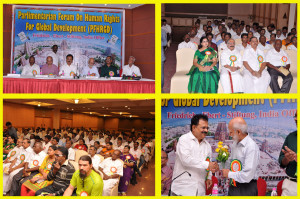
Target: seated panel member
{"points": [[49, 68], [256, 76], [230, 76], [86, 181], [31, 69], [54, 55], [68, 69], [275, 59], [187, 43], [131, 69], [91, 69], [112, 169], [108, 69]]}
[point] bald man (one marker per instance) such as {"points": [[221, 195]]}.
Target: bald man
{"points": [[49, 68], [91, 69], [187, 43], [246, 151]]}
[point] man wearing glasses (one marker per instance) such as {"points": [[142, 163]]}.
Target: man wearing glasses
{"points": [[61, 173], [288, 160], [192, 170]]}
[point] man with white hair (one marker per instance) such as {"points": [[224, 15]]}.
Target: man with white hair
{"points": [[256, 76], [231, 63], [131, 69], [245, 160], [91, 69]]}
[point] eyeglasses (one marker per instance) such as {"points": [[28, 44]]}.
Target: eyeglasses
{"points": [[58, 155]]}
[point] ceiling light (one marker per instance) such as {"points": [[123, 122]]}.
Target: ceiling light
{"points": [[130, 115], [67, 108], [72, 109], [126, 106], [91, 113], [103, 107], [129, 6], [120, 113], [76, 101], [39, 104]]}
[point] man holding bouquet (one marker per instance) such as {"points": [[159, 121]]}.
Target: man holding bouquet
{"points": [[243, 172], [193, 168]]}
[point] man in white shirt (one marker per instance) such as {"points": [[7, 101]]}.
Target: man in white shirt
{"points": [[31, 69], [256, 76], [71, 151], [231, 63], [223, 45], [244, 44], [47, 143], [54, 55], [166, 26], [187, 43], [31, 168], [68, 69], [246, 152], [294, 44], [238, 34], [89, 140], [135, 151], [112, 169], [284, 32], [279, 35], [13, 153], [119, 146], [263, 45], [277, 58], [191, 169], [91, 69], [95, 158], [17, 165], [131, 69]]}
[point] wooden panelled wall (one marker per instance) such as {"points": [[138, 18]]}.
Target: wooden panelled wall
{"points": [[25, 116]]}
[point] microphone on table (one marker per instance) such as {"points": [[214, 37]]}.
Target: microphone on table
{"points": [[175, 179]]}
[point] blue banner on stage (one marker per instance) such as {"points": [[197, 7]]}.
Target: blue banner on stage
{"points": [[83, 32]]}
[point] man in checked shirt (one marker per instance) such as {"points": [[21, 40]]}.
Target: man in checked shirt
{"points": [[61, 173]]}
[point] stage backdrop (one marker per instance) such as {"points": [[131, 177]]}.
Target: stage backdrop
{"points": [[83, 32], [269, 122]]}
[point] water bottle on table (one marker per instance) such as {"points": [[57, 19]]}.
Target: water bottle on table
{"points": [[215, 190], [274, 192]]}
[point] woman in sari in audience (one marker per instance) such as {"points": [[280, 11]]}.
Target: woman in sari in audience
{"points": [[40, 181], [81, 145], [129, 162], [204, 74]]}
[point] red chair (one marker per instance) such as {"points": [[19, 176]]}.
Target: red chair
{"points": [[279, 188], [261, 187], [214, 181]]}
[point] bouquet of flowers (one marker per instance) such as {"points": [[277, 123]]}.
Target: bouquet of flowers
{"points": [[209, 55], [223, 153]]}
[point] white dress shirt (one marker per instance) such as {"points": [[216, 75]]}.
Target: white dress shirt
{"points": [[116, 147], [135, 153], [68, 70], [187, 45], [111, 167], [24, 155], [222, 46], [96, 162], [71, 155], [131, 71], [292, 47], [167, 28], [248, 153], [236, 37], [31, 70], [46, 147], [89, 142], [14, 153], [87, 70], [275, 58], [265, 47], [240, 47], [36, 159], [281, 37], [236, 77], [191, 156]]}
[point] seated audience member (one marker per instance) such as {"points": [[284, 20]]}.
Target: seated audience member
{"points": [[31, 69], [166, 174], [108, 69], [108, 151], [90, 69], [10, 170], [128, 170], [61, 173], [49, 68], [288, 40], [294, 44], [39, 181], [8, 146], [272, 39], [284, 32], [238, 34], [86, 181], [81, 145], [223, 45], [47, 143], [55, 141], [210, 42], [275, 59], [119, 145], [187, 43], [279, 35], [193, 38], [68, 69], [30, 169], [131, 69], [145, 153], [89, 140], [98, 147], [95, 158], [250, 35], [71, 151], [263, 45], [256, 76], [112, 169], [222, 39], [13, 153], [231, 63], [294, 31]]}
